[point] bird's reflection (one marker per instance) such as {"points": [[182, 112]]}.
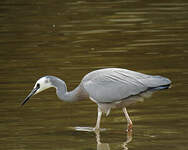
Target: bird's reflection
{"points": [[106, 146]]}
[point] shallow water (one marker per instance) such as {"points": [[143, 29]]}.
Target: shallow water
{"points": [[70, 38]]}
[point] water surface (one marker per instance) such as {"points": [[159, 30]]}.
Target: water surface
{"points": [[70, 38]]}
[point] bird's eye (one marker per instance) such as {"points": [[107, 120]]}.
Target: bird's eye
{"points": [[38, 85]]}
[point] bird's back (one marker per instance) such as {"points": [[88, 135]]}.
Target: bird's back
{"points": [[113, 84]]}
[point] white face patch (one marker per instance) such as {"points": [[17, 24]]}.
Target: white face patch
{"points": [[44, 84]]}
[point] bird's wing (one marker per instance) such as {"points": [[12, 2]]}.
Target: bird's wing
{"points": [[108, 85]]}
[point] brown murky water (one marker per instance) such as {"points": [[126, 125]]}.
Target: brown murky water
{"points": [[71, 38]]}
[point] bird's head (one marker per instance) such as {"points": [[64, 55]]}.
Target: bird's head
{"points": [[41, 85]]}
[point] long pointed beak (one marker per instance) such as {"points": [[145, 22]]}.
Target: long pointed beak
{"points": [[29, 96]]}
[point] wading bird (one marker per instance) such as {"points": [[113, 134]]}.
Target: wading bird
{"points": [[108, 88]]}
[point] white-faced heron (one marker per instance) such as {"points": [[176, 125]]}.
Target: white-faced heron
{"points": [[108, 88]]}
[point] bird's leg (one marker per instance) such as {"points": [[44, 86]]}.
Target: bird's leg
{"points": [[97, 127], [129, 122]]}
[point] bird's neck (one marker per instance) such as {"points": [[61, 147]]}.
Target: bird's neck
{"points": [[63, 94]]}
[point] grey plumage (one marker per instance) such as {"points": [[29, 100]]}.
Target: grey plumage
{"points": [[113, 84], [108, 88]]}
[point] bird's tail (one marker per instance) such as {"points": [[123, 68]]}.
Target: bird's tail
{"points": [[163, 83]]}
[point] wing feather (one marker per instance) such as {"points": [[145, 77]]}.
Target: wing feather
{"points": [[112, 84]]}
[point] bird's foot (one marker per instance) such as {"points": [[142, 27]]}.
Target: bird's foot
{"points": [[129, 127], [96, 129]]}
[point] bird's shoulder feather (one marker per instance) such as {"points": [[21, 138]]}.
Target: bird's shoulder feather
{"points": [[112, 84]]}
